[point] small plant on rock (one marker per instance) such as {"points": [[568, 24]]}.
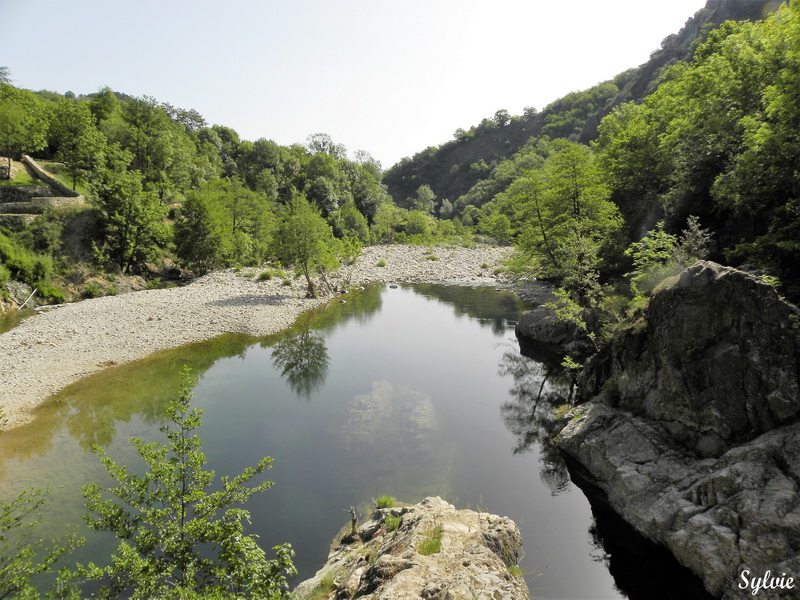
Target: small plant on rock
{"points": [[385, 501], [431, 541], [391, 523]]}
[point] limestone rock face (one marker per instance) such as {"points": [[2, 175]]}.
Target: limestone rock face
{"points": [[716, 364], [472, 562]]}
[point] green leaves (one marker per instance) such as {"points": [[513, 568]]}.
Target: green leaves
{"points": [[164, 518], [304, 239], [566, 219]]}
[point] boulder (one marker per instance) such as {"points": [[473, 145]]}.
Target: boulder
{"points": [[472, 562], [716, 363], [719, 516], [691, 431], [545, 337]]}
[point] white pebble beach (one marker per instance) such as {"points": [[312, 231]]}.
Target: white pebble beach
{"points": [[57, 347]]}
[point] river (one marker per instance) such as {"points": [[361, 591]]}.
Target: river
{"points": [[405, 391]]}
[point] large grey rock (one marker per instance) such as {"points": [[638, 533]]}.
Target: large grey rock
{"points": [[472, 564], [716, 363], [692, 433], [544, 336], [718, 516]]}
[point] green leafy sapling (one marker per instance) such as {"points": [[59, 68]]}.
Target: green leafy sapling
{"points": [[176, 538]]}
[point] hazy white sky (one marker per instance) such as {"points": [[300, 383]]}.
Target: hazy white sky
{"points": [[388, 77]]}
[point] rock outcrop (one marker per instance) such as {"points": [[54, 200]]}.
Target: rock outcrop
{"points": [[692, 432], [716, 364], [387, 558], [545, 337]]}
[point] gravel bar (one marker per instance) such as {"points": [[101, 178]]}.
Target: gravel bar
{"points": [[50, 350]]}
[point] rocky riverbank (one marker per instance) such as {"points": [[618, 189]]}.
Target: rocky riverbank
{"points": [[692, 433], [49, 351], [428, 550]]}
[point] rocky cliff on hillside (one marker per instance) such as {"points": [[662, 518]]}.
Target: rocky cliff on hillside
{"points": [[692, 431], [388, 558]]}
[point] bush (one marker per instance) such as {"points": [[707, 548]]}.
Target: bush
{"points": [[53, 293], [391, 522], [177, 538], [384, 502], [92, 290], [23, 264]]}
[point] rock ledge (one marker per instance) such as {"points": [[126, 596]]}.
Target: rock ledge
{"points": [[472, 563]]}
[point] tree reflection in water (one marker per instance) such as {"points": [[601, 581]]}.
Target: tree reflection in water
{"points": [[302, 359], [532, 415]]}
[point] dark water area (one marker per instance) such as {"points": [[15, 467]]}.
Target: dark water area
{"points": [[410, 392], [13, 318]]}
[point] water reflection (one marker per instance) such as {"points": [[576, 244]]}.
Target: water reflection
{"points": [[483, 303], [302, 359], [91, 409], [539, 391]]}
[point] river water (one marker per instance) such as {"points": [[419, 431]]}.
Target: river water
{"points": [[410, 392]]}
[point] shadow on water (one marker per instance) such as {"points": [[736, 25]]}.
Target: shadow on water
{"points": [[641, 569], [538, 394], [483, 303]]}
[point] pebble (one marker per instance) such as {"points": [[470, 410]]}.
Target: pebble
{"points": [[54, 348]]}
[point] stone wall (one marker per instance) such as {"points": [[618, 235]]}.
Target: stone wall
{"points": [[7, 168], [11, 193], [59, 187]]}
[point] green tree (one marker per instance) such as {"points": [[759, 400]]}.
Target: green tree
{"points": [[424, 200], [200, 240], [132, 219], [348, 222], [304, 239], [79, 145], [24, 120], [177, 539], [323, 143], [5, 75], [570, 221], [23, 553]]}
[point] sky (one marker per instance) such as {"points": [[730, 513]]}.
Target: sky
{"points": [[390, 78]]}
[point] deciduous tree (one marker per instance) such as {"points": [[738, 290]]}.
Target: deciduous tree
{"points": [[177, 539]]}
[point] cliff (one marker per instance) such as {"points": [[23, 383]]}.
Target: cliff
{"points": [[429, 550], [691, 433]]}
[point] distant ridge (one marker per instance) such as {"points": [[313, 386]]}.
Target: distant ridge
{"points": [[457, 165]]}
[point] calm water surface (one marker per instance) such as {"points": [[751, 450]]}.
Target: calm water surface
{"points": [[401, 391]]}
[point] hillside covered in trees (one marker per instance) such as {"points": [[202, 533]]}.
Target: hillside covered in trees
{"points": [[458, 170], [699, 138]]}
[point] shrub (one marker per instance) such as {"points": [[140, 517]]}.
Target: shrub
{"points": [[177, 538], [384, 502], [92, 290], [52, 293], [431, 542], [381, 263], [391, 523]]}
